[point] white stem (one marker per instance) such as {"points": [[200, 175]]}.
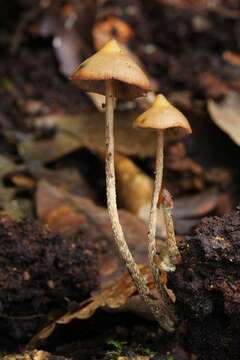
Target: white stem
{"points": [[160, 311]]}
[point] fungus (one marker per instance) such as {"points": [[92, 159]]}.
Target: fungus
{"points": [[111, 72], [159, 117]]}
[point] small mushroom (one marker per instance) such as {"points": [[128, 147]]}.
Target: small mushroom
{"points": [[159, 117], [111, 72]]}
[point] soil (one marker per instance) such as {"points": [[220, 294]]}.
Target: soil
{"points": [[207, 286], [41, 273]]}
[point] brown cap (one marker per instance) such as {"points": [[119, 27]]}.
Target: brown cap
{"points": [[111, 62], [162, 115]]}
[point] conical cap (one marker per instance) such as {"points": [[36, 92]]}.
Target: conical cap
{"points": [[111, 62], [162, 115]]}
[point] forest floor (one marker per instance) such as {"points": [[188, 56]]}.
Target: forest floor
{"points": [[56, 248]]}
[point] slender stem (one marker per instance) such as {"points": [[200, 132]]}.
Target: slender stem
{"points": [[152, 249], [160, 311], [173, 251]]}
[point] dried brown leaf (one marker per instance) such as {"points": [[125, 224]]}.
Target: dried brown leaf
{"points": [[226, 115], [87, 130], [48, 150]]}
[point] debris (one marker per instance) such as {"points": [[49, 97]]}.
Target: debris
{"points": [[113, 296], [34, 355]]}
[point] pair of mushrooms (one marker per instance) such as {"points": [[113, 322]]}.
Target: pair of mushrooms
{"points": [[111, 72]]}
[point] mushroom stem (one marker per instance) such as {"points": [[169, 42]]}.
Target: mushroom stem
{"points": [[173, 251], [160, 311], [152, 249]]}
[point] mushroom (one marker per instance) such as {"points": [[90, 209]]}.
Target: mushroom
{"points": [[159, 117], [111, 72]]}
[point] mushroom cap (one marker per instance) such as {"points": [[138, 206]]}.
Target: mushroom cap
{"points": [[112, 63], [162, 115]]}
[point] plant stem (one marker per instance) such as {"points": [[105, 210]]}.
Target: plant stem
{"points": [[160, 311], [152, 249]]}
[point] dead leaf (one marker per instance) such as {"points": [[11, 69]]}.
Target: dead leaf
{"points": [[197, 205], [112, 297], [68, 178], [48, 150], [87, 130], [226, 115]]}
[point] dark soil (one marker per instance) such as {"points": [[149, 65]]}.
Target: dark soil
{"points": [[207, 288], [40, 273]]}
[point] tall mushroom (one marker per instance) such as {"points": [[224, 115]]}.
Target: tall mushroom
{"points": [[111, 72], [159, 117]]}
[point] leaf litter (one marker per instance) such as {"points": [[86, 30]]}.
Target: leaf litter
{"points": [[226, 115]]}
